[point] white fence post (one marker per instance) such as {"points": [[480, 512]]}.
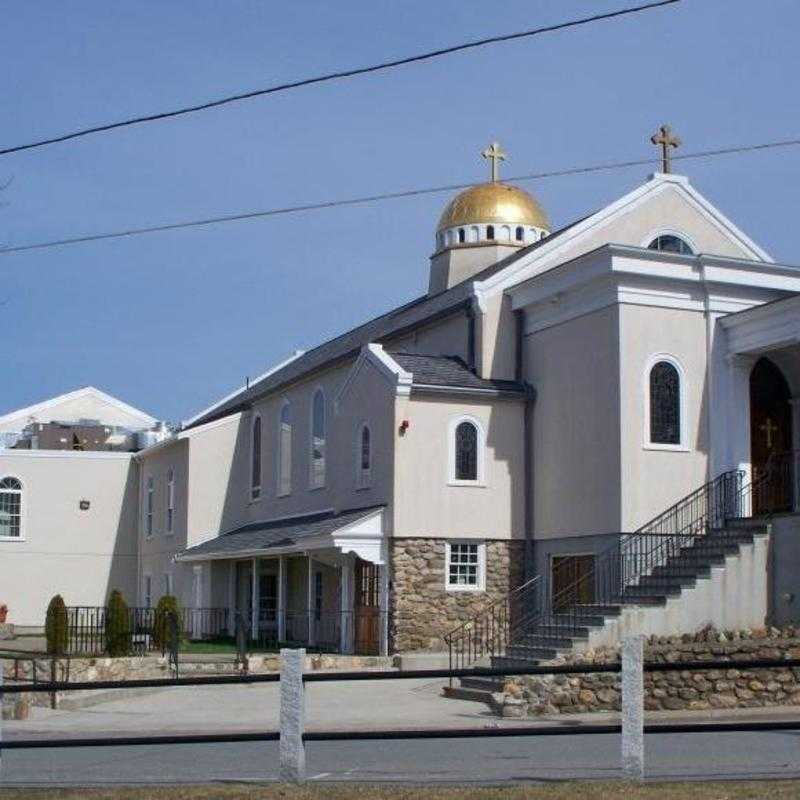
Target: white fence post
{"points": [[632, 652], [293, 716]]}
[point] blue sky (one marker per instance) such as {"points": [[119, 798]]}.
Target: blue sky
{"points": [[171, 321]]}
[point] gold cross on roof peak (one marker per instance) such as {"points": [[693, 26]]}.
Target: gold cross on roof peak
{"points": [[495, 154], [665, 138]]}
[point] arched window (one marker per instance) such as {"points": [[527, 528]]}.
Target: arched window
{"points": [[170, 499], [505, 233], [520, 233], [462, 235], [317, 463], [490, 231], [449, 238], [669, 243], [466, 452], [10, 508], [364, 457], [149, 507], [665, 404], [285, 450], [255, 464], [474, 234]]}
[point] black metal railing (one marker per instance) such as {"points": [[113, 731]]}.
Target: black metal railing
{"points": [[494, 629], [323, 630], [86, 626], [565, 601]]}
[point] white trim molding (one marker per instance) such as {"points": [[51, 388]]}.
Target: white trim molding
{"points": [[386, 366], [452, 426], [480, 586], [647, 443]]}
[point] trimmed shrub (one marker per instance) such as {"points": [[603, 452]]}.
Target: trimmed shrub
{"points": [[118, 625], [56, 627], [166, 606]]}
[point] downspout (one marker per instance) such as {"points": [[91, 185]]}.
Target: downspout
{"points": [[527, 431], [471, 336]]}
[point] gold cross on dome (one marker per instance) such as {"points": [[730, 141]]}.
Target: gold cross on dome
{"points": [[769, 427], [495, 154], [665, 138]]}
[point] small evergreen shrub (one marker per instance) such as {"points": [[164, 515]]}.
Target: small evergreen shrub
{"points": [[118, 625], [165, 607], [56, 627]]}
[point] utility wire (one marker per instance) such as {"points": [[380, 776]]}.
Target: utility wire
{"points": [[375, 198], [334, 76]]}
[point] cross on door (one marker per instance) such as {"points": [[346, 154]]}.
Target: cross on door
{"points": [[769, 428], [665, 138]]}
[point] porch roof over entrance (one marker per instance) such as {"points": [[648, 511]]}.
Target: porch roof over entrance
{"points": [[296, 533]]}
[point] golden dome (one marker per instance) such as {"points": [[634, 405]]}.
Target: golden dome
{"points": [[495, 203]]}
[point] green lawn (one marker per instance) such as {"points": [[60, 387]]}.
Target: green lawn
{"points": [[741, 790]]}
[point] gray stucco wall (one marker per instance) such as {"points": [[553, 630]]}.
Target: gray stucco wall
{"points": [[784, 588]]}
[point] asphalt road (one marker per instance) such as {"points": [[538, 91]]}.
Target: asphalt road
{"points": [[687, 756]]}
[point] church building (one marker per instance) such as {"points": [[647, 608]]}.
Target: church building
{"points": [[527, 428]]}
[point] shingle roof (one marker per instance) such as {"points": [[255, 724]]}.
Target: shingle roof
{"points": [[408, 316], [449, 371], [279, 533]]}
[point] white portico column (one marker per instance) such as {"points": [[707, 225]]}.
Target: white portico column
{"points": [[254, 601], [281, 598], [346, 572], [310, 601], [738, 406]]}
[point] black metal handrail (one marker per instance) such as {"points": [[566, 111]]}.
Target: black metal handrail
{"points": [[613, 577], [490, 632]]}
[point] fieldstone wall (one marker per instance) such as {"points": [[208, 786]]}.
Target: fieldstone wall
{"points": [[422, 610], [674, 690]]}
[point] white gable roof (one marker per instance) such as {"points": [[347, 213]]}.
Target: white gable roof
{"points": [[564, 246], [87, 403]]}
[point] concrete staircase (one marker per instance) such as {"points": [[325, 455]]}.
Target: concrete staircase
{"points": [[719, 578]]}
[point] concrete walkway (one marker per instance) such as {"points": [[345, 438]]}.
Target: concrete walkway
{"points": [[251, 707]]}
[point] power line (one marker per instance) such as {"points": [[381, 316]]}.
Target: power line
{"points": [[375, 198], [334, 76]]}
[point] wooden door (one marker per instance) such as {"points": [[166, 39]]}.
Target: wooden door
{"points": [[572, 581], [367, 608], [770, 436]]}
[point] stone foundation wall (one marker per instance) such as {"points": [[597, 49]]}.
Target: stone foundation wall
{"points": [[422, 610], [675, 690]]}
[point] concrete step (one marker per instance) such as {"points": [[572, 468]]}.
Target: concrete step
{"points": [[659, 582], [528, 654], [697, 569], [538, 639], [593, 610], [503, 662], [567, 630]]}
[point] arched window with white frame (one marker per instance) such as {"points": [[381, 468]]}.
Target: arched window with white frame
{"points": [[170, 500], [466, 452], [364, 456], [255, 460], [669, 242], [318, 441], [10, 508], [285, 450], [665, 412]]}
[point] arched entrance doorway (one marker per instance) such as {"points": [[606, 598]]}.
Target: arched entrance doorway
{"points": [[770, 436]]}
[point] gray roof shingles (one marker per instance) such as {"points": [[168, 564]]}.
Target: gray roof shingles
{"points": [[408, 316], [279, 533], [449, 372]]}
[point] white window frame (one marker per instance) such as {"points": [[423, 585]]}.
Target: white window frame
{"points": [[22, 509], [149, 507], [284, 477], [363, 476], [451, 448], [147, 590], [317, 480], [168, 584], [480, 586], [255, 488], [647, 444], [646, 242], [170, 501]]}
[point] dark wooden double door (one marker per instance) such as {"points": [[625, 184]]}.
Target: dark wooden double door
{"points": [[771, 438], [367, 608]]}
